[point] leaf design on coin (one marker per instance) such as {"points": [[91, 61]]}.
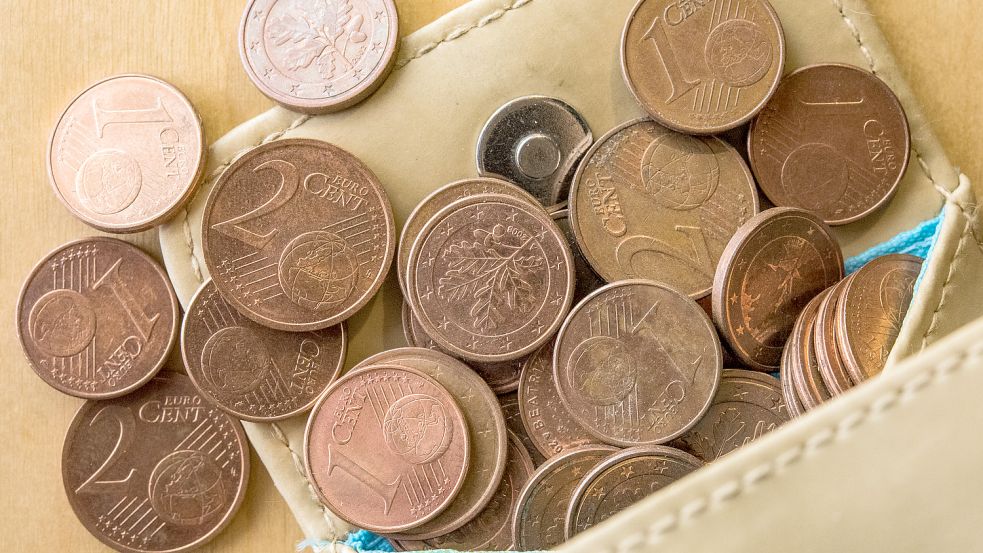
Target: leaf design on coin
{"points": [[317, 30]]}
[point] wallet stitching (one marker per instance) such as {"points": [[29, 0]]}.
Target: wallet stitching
{"points": [[944, 292]]}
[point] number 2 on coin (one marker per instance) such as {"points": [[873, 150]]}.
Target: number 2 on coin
{"points": [[289, 182], [127, 426]]}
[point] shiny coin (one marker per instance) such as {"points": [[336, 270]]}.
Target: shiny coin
{"points": [[651, 203], [159, 470], [586, 279], [298, 234], [792, 401], [318, 57], [513, 420], [637, 363], [386, 448], [97, 318], [702, 67], [834, 140], [806, 378], [831, 366], [772, 267], [251, 371]]}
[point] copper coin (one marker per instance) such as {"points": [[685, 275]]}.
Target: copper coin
{"points": [[834, 140], [651, 203], [491, 530], [586, 280], [318, 57], [637, 363], [97, 318], [622, 480], [386, 448], [871, 310], [551, 427], [251, 371], [490, 278], [513, 420], [160, 469], [486, 429], [772, 267], [298, 234], [702, 67], [540, 515], [831, 367], [747, 405], [807, 379], [792, 401]]}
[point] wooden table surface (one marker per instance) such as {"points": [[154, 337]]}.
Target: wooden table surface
{"points": [[52, 48]]}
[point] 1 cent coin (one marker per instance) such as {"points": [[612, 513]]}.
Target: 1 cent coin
{"points": [[298, 234], [251, 371], [513, 420], [834, 140], [97, 318], [637, 363], [159, 470], [127, 153], [318, 57], [702, 67]]}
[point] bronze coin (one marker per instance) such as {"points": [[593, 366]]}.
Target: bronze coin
{"points": [[491, 530], [513, 420], [298, 234], [370, 459], [551, 427], [772, 267], [792, 400], [805, 365], [490, 278], [747, 405], [651, 203], [831, 367], [127, 153], [637, 363], [253, 372], [318, 57], [871, 310], [586, 280], [486, 429], [540, 515], [160, 469], [702, 67], [623, 479], [97, 318], [833, 140]]}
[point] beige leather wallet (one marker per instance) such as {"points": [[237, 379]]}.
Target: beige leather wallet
{"points": [[892, 464]]}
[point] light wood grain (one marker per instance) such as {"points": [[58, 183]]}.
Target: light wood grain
{"points": [[52, 48]]}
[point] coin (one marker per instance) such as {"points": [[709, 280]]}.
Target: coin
{"points": [[251, 371], [513, 420], [298, 234], [97, 318], [771, 268], [871, 310], [540, 515], [551, 428], [372, 461], [127, 153], [637, 363], [834, 140], [623, 479], [586, 280], [490, 278], [792, 400], [486, 427], [702, 67], [747, 405], [160, 469], [318, 57], [806, 379], [831, 367], [651, 203]]}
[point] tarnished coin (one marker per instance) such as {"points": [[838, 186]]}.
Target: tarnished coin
{"points": [[540, 514], [831, 366], [702, 67], [490, 278], [651, 203], [586, 279], [159, 470], [251, 371], [386, 448], [318, 57], [772, 267], [637, 363], [513, 420], [551, 427], [97, 318], [747, 405], [871, 310], [298, 234], [486, 427], [806, 378], [127, 153], [834, 140], [622, 480]]}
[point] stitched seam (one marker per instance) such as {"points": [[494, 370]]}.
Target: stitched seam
{"points": [[944, 293]]}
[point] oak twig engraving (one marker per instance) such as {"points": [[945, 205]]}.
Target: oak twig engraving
{"points": [[318, 31]]}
